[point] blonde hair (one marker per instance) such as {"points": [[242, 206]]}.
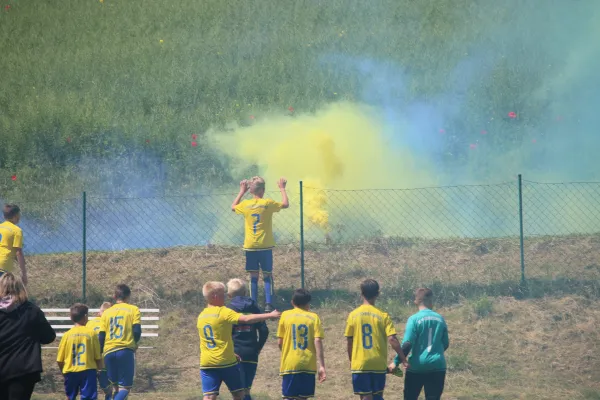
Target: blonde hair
{"points": [[12, 286], [256, 184], [236, 287], [105, 306], [211, 288]]}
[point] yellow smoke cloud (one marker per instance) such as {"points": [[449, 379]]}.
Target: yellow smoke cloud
{"points": [[343, 146]]}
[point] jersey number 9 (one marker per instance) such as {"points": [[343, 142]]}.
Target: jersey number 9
{"points": [[209, 336]]}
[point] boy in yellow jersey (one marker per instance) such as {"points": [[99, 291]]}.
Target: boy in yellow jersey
{"points": [[301, 343], [120, 333], [96, 325], [11, 242], [259, 240], [79, 356], [368, 331], [218, 362]]}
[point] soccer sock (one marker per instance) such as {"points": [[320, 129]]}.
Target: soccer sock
{"points": [[268, 289], [247, 397], [121, 394], [108, 396], [254, 288]]}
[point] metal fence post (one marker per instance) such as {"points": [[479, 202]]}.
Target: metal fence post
{"points": [[521, 230], [84, 249], [301, 236]]}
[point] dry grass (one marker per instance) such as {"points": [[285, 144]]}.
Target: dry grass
{"points": [[544, 346]]}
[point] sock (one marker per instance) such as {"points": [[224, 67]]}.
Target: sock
{"points": [[121, 394], [107, 396], [254, 288], [247, 397], [268, 289]]}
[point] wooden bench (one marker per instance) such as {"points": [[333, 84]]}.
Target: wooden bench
{"points": [[60, 321]]}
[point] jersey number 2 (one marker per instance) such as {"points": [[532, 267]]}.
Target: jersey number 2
{"points": [[76, 353], [256, 221]]}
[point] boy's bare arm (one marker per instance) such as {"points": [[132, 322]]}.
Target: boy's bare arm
{"points": [[254, 318], [238, 198], [320, 359], [21, 260], [60, 366], [100, 363], [349, 342], [280, 343], [285, 203], [393, 341]]}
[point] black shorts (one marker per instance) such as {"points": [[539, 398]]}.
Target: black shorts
{"points": [[432, 382]]}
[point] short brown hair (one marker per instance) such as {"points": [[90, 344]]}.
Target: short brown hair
{"points": [[11, 210], [369, 289], [122, 292], [256, 184], [78, 312], [424, 296], [11, 285], [301, 297]]}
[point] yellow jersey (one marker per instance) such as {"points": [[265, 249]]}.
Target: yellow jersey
{"points": [[215, 325], [370, 328], [117, 322], [298, 329], [258, 222], [11, 239], [95, 325], [79, 349]]}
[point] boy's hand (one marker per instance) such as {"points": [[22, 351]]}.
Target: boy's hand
{"points": [[391, 367], [281, 183], [274, 314], [244, 186], [322, 374], [406, 365]]}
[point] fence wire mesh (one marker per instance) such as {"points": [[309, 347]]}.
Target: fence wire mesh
{"points": [[452, 238], [562, 234]]}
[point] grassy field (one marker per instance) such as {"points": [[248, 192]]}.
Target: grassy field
{"points": [[507, 341], [125, 84]]}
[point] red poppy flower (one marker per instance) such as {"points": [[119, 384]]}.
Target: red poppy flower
{"points": [[473, 146], [147, 140], [512, 114], [252, 117], [484, 132], [291, 109], [68, 140], [534, 141], [194, 144], [442, 131], [14, 177], [7, 7], [194, 136]]}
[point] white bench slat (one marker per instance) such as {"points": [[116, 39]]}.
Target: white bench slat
{"points": [[66, 310], [70, 326], [56, 348], [61, 334], [69, 318]]}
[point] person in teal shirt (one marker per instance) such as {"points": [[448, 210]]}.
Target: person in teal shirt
{"points": [[426, 338]]}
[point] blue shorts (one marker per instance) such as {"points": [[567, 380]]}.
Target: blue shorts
{"points": [[369, 383], [248, 371], [103, 382], [213, 377], [259, 260], [120, 367], [300, 386], [83, 382]]}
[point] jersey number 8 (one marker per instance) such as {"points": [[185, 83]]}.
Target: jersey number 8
{"points": [[367, 336]]}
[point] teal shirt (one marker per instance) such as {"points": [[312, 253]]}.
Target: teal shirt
{"points": [[427, 333]]}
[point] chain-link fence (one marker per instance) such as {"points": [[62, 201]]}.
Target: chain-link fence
{"points": [[459, 238]]}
